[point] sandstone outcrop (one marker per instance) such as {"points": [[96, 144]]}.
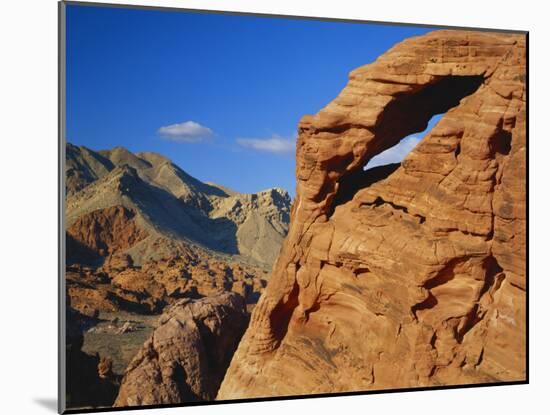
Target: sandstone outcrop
{"points": [[407, 275], [185, 358], [103, 232]]}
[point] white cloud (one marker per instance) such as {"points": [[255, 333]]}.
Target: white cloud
{"points": [[186, 132], [275, 144], [395, 154]]}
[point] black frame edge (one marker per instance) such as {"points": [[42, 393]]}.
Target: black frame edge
{"points": [[295, 397], [527, 139], [285, 16], [62, 303]]}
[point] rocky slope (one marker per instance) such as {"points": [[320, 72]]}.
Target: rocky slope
{"points": [[186, 357], [155, 200], [143, 235], [412, 275], [82, 167], [119, 285]]}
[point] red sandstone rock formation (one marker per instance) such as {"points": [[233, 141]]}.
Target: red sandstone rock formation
{"points": [[186, 357], [405, 277], [105, 231]]}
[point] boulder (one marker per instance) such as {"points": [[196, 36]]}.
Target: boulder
{"points": [[186, 357]]}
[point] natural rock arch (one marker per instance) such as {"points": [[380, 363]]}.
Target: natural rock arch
{"points": [[409, 112], [417, 278]]}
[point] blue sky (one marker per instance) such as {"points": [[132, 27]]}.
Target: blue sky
{"points": [[220, 95]]}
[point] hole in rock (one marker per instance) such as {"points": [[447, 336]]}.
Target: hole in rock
{"points": [[398, 152], [502, 142], [400, 128]]}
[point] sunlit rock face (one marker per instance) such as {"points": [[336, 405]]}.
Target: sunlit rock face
{"points": [[410, 274]]}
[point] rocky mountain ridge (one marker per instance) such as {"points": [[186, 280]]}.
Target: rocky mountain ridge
{"points": [[167, 203]]}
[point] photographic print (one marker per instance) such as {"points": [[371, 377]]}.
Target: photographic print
{"points": [[258, 207]]}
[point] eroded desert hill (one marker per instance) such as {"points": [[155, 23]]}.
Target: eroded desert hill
{"points": [[120, 202], [415, 275], [142, 233]]}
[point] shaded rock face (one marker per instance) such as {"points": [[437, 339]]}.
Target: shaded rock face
{"points": [[90, 381], [406, 275], [261, 221], [186, 357]]}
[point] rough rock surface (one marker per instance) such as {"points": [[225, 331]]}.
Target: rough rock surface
{"points": [[186, 357], [411, 275]]}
